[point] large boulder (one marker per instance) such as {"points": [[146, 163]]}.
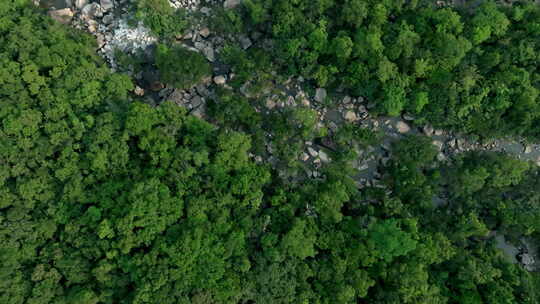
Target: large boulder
{"points": [[350, 116], [402, 127], [62, 15], [320, 94], [91, 11], [106, 4], [208, 52], [231, 3], [220, 80], [245, 42], [428, 130], [79, 4]]}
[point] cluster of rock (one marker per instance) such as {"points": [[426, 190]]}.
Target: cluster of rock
{"points": [[527, 260], [194, 5], [200, 39], [193, 99], [523, 251], [190, 5], [107, 20]]}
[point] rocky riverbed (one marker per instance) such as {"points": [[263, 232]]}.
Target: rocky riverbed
{"points": [[111, 23]]}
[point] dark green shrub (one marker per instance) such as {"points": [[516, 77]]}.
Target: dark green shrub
{"points": [[181, 67], [161, 18]]}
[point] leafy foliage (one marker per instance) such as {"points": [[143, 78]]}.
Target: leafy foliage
{"points": [[161, 18], [181, 67], [469, 69], [105, 200]]}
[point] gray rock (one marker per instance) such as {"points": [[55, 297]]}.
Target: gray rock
{"points": [[231, 3], [527, 149], [79, 4], [199, 112], [441, 157], [209, 53], [108, 19], [363, 166], [462, 143], [312, 152], [62, 15], [350, 116], [196, 101], [220, 80], [202, 90], [100, 39], [91, 11], [402, 127], [245, 42], [362, 109], [408, 117], [106, 4], [205, 32], [428, 130], [320, 94], [199, 45], [165, 92], [304, 156], [138, 91], [205, 10], [526, 259], [92, 26], [245, 89], [323, 156]]}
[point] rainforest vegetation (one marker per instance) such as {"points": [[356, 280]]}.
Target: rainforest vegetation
{"points": [[106, 199], [472, 68]]}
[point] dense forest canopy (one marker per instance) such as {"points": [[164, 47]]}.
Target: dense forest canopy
{"points": [[472, 67], [108, 200]]}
